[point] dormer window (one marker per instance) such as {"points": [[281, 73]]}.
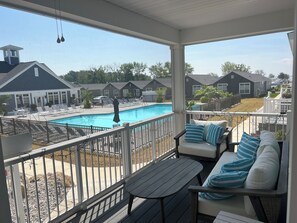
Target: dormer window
{"points": [[36, 72], [13, 53]]}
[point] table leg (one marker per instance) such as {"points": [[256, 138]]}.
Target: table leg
{"points": [[162, 210], [130, 203], [199, 179]]}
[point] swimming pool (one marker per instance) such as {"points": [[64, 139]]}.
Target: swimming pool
{"points": [[105, 120]]}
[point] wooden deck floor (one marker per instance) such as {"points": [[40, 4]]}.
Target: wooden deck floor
{"points": [[113, 208]]}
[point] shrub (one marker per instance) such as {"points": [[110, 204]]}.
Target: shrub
{"points": [[204, 99]]}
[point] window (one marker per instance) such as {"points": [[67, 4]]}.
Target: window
{"points": [[137, 92], [56, 98], [222, 86], [50, 98], [63, 97], [13, 53], [116, 93], [125, 92], [22, 100], [232, 76], [5, 53], [106, 92], [148, 89], [195, 88], [244, 88], [36, 71]]}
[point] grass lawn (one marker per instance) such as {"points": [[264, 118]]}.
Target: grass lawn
{"points": [[248, 105]]}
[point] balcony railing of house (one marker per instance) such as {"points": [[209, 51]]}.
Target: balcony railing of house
{"points": [[73, 174], [70, 175], [273, 105], [44, 131], [249, 122]]}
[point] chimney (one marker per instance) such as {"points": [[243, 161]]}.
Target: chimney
{"points": [[11, 54]]}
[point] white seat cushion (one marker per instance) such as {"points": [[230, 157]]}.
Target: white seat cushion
{"points": [[234, 205], [200, 149]]}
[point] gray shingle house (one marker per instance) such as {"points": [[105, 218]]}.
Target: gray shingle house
{"points": [[32, 82], [195, 82], [96, 89], [160, 83], [244, 83]]}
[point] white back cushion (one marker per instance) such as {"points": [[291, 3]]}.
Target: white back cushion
{"points": [[222, 123], [263, 174], [268, 139]]}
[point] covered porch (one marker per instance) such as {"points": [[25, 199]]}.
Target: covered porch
{"points": [[177, 25]]}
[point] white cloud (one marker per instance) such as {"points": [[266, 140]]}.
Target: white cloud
{"points": [[286, 61]]}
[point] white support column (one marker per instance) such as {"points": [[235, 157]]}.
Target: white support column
{"points": [[178, 86], [5, 207], [292, 185]]}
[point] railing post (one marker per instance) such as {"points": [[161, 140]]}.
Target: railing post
{"points": [[18, 193], [47, 132], [126, 150], [14, 127], [1, 125], [153, 134], [67, 131], [80, 195], [29, 126], [91, 129], [5, 207]]}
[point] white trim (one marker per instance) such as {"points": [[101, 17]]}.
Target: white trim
{"points": [[249, 83], [196, 85], [220, 85]]}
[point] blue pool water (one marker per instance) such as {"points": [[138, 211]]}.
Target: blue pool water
{"points": [[105, 120]]}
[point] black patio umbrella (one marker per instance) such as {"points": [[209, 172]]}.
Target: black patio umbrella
{"points": [[116, 117]]}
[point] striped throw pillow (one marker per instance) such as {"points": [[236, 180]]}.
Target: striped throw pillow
{"points": [[214, 133], [233, 179], [238, 165], [194, 133], [248, 146]]}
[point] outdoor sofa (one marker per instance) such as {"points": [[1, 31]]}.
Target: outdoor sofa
{"points": [[263, 193]]}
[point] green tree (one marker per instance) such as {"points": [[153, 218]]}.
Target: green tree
{"points": [[271, 76], [3, 101], [208, 93], [160, 70], [283, 77], [228, 67], [87, 97], [160, 94], [261, 72], [213, 74]]}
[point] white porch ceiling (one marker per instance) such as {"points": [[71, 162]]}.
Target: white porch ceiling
{"points": [[173, 21]]}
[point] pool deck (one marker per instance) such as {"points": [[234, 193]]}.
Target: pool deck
{"points": [[80, 111]]}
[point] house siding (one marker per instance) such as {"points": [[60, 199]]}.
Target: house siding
{"points": [[44, 81], [233, 84], [132, 89], [110, 89], [189, 87], [155, 85]]}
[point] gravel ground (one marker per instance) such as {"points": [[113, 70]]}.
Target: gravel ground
{"points": [[42, 196]]}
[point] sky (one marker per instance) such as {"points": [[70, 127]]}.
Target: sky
{"points": [[86, 47]]}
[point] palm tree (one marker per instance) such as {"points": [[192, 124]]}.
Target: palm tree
{"points": [[87, 97]]}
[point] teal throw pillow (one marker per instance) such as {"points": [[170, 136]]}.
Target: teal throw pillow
{"points": [[248, 147], [233, 179], [214, 133], [194, 133], [238, 165]]}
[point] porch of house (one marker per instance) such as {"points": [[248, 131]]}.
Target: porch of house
{"points": [[113, 207]]}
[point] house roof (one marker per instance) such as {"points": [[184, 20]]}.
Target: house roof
{"points": [[140, 84], [166, 81], [13, 70], [118, 85], [252, 77], [11, 47], [93, 86], [204, 79]]}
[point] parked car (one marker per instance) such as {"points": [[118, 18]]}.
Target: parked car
{"points": [[100, 100]]}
